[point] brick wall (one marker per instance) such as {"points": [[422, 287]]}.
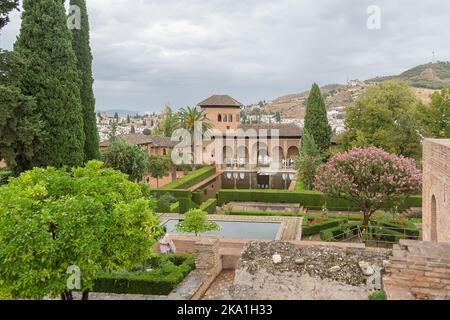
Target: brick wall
{"points": [[436, 190], [418, 271]]}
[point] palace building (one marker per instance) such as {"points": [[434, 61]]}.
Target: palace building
{"points": [[247, 146]]}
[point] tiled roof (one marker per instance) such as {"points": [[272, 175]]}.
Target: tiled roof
{"points": [[141, 139], [285, 130], [220, 101]]}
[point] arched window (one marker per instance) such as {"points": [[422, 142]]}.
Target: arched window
{"points": [[219, 118], [225, 118], [230, 118], [433, 222]]}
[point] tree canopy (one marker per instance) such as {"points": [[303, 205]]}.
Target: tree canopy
{"points": [[52, 78], [81, 46], [196, 221], [385, 118], [129, 159], [158, 167], [316, 119], [89, 217], [370, 178]]}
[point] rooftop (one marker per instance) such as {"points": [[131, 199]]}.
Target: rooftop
{"points": [[141, 139], [220, 101]]}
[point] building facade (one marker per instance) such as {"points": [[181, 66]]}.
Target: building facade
{"points": [[249, 146], [436, 191]]}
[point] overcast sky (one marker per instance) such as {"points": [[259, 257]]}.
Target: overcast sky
{"points": [[149, 52]]}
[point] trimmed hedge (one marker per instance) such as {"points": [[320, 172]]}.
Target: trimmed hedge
{"points": [[191, 179], [410, 229], [263, 213], [341, 232], [209, 206], [316, 228], [167, 274], [310, 199], [184, 198]]}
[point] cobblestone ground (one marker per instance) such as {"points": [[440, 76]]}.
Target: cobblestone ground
{"points": [[220, 289]]}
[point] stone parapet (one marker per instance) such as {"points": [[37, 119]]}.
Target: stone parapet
{"points": [[418, 271]]}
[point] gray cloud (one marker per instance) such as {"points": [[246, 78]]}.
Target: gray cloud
{"points": [[150, 52]]}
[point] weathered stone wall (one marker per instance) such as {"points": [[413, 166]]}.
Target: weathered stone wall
{"points": [[436, 190], [418, 270], [285, 271]]}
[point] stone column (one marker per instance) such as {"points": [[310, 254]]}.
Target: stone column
{"points": [[207, 255]]}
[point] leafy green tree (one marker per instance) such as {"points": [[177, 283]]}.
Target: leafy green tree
{"points": [[196, 221], [278, 117], [127, 158], [133, 130], [435, 118], [169, 122], [52, 78], [81, 46], [385, 118], [90, 217], [112, 134], [316, 119], [147, 132], [308, 161], [158, 167]]}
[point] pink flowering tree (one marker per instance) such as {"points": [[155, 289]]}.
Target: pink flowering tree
{"points": [[370, 178]]}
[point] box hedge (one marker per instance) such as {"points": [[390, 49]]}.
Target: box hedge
{"points": [[191, 179], [262, 213], [209, 206], [166, 275], [309, 199], [316, 228]]}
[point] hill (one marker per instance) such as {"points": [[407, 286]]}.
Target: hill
{"points": [[424, 79], [430, 76]]}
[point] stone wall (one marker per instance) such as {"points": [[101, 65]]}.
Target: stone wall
{"points": [[436, 190], [418, 270]]}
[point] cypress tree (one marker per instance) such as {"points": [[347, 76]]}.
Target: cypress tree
{"points": [[83, 52], [52, 78], [316, 119]]}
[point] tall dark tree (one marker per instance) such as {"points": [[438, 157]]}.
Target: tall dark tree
{"points": [[83, 52], [53, 80], [20, 126], [316, 119]]}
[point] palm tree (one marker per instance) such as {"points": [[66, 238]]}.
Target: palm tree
{"points": [[189, 116]]}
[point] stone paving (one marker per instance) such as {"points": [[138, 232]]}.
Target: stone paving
{"points": [[220, 289]]}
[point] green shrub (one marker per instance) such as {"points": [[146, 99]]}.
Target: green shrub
{"points": [[342, 232], [191, 179], [378, 295], [316, 228], [209, 206], [5, 174], [167, 273], [409, 229]]}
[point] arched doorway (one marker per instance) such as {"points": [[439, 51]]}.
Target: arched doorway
{"points": [[263, 154], [278, 152], [243, 156], [227, 155], [433, 222]]}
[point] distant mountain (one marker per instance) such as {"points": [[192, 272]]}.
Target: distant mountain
{"points": [[430, 76]]}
